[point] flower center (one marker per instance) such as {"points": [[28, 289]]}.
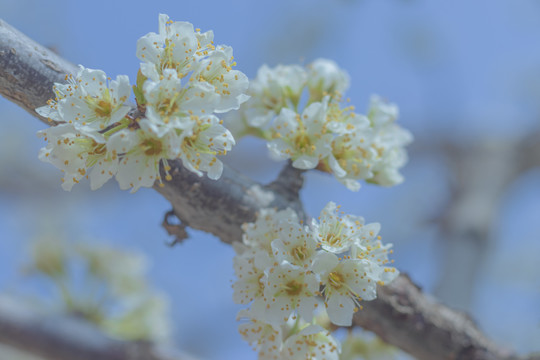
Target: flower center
{"points": [[152, 147], [299, 253], [168, 57], [335, 279], [168, 107], [334, 236], [303, 142], [332, 239], [293, 288], [103, 108], [98, 149]]}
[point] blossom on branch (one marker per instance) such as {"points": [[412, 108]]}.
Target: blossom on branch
{"points": [[313, 342], [87, 102], [184, 81], [299, 112], [302, 138], [287, 271], [326, 78], [75, 152], [195, 58]]}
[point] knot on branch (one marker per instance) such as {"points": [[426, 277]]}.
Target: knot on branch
{"points": [[176, 228]]}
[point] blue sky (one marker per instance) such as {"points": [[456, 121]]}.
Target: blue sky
{"points": [[458, 70]]}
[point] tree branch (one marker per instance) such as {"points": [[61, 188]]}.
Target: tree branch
{"points": [[28, 83], [68, 338], [405, 317], [401, 315]]}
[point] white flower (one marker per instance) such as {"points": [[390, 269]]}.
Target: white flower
{"points": [[294, 245], [230, 85], [249, 269], [173, 48], [382, 113], [265, 229], [124, 271], [289, 289], [325, 77], [142, 151], [51, 111], [265, 338], [312, 343], [183, 80], [74, 153], [206, 41], [368, 246], [273, 90], [170, 106], [354, 278], [188, 79], [389, 140], [208, 139], [301, 138], [342, 121], [282, 267], [335, 233], [367, 148], [352, 159], [87, 102], [346, 283], [181, 49]]}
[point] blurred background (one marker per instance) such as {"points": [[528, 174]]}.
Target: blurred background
{"points": [[464, 224]]}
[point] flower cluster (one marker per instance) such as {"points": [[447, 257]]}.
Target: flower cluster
{"points": [[288, 272], [322, 133], [184, 80], [110, 287]]}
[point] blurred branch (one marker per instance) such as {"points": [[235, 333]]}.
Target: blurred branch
{"points": [[480, 173], [402, 315], [67, 338]]}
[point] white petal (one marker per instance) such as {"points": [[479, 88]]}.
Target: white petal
{"points": [[102, 172], [340, 309], [324, 262], [306, 162], [334, 165], [215, 170], [306, 307]]}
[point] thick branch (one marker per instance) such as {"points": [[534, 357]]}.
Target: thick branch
{"points": [[402, 315], [219, 207], [69, 338], [405, 317], [28, 83]]}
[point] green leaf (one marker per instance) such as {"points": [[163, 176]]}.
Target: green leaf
{"points": [[138, 89]]}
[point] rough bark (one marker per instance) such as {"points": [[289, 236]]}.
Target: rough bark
{"points": [[416, 323], [28, 83], [401, 315]]}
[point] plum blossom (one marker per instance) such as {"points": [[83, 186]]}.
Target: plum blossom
{"points": [[302, 138], [87, 102], [312, 342], [183, 82], [75, 153], [286, 270], [142, 152], [326, 78]]}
